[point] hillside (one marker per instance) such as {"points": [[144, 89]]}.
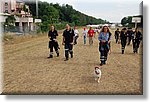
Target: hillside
{"points": [[61, 14]]}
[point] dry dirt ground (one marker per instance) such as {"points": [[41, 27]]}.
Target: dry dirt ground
{"points": [[28, 71]]}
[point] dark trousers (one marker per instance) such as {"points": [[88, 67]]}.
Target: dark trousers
{"points": [[116, 39], [123, 45], [84, 39], [136, 44], [53, 44], [129, 40], [104, 49], [75, 40], [103, 56], [68, 49]]}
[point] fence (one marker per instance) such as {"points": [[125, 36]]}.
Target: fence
{"points": [[21, 31]]}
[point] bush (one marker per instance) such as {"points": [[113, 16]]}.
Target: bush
{"points": [[59, 26]]}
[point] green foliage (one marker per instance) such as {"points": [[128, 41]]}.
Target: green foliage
{"points": [[10, 20], [127, 21], [60, 15], [9, 23]]}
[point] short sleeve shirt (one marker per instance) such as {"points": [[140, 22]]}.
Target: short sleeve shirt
{"points": [[68, 35], [53, 34]]}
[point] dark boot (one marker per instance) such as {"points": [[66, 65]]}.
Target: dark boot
{"points": [[102, 63], [66, 59], [57, 54], [122, 51], [51, 56], [136, 50], [71, 55]]}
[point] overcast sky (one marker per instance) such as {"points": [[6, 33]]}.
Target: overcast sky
{"points": [[110, 10]]}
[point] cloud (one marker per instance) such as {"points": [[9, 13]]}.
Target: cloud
{"points": [[111, 10]]}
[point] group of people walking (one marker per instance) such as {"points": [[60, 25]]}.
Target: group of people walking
{"points": [[70, 38], [128, 35]]}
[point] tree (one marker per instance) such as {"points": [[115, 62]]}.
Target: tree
{"points": [[10, 20], [57, 14], [127, 21], [124, 21], [9, 23]]}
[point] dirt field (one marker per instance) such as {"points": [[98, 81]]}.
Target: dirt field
{"points": [[28, 71]]}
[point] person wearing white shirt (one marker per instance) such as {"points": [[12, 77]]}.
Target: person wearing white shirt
{"points": [[76, 32], [84, 35]]}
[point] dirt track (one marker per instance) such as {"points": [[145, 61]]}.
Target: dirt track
{"points": [[28, 71]]}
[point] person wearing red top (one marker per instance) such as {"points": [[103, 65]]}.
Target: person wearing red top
{"points": [[90, 35]]}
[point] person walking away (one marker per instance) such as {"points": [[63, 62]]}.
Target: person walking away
{"points": [[84, 35], [68, 36], [104, 44], [123, 38], [129, 35], [137, 37], [117, 33], [53, 43], [90, 35], [76, 32]]}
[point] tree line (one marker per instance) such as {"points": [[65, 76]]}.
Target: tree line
{"points": [[59, 15], [127, 21]]}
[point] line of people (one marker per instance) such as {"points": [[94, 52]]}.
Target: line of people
{"points": [[70, 37]]}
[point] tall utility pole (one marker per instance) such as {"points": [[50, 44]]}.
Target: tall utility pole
{"points": [[37, 13]]}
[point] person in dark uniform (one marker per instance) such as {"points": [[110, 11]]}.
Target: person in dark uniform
{"points": [[53, 43], [137, 37], [129, 35], [104, 44], [117, 33], [123, 38], [109, 39], [68, 36]]}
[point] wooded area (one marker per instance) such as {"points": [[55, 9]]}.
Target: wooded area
{"points": [[59, 15]]}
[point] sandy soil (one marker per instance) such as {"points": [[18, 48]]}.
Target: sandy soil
{"points": [[28, 71]]}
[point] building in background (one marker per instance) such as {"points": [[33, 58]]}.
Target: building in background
{"points": [[24, 20]]}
